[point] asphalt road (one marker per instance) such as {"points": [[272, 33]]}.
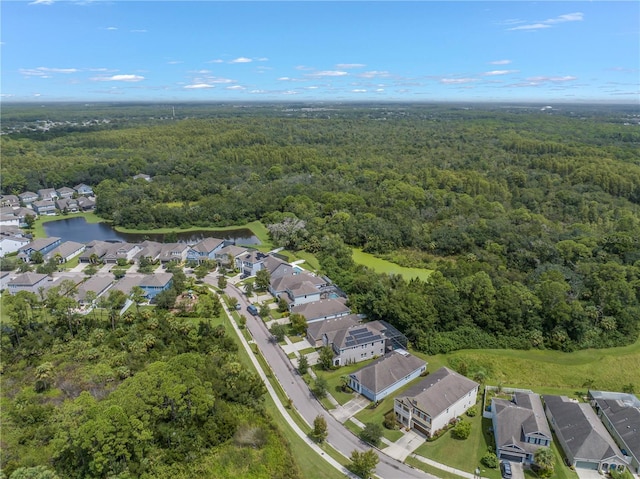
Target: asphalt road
{"points": [[339, 436]]}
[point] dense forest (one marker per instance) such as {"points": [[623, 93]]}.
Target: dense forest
{"points": [[529, 218], [151, 394]]}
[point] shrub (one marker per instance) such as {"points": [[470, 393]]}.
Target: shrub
{"points": [[371, 433], [390, 420], [490, 460], [462, 430], [472, 411]]}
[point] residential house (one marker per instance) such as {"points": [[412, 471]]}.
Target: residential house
{"points": [[9, 200], [126, 251], [127, 283], [65, 251], [620, 414], [5, 277], [95, 251], [11, 244], [44, 207], [86, 204], [519, 426], [98, 284], [364, 341], [65, 192], [42, 245], [277, 267], [298, 288], [48, 194], [435, 401], [153, 284], [150, 250], [68, 205], [83, 190], [205, 250], [253, 261], [20, 213], [173, 252], [387, 374], [142, 176], [330, 327], [321, 310], [31, 282], [583, 437], [227, 255], [9, 219], [28, 197]]}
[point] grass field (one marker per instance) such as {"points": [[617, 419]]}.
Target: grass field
{"points": [[380, 265], [38, 228], [552, 372]]}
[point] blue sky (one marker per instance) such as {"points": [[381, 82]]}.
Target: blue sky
{"points": [[328, 51]]}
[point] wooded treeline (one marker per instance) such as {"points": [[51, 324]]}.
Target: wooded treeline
{"points": [[148, 395], [531, 219]]}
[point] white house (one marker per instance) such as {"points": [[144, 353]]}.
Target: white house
{"points": [[11, 244], [431, 404], [387, 374], [28, 282]]}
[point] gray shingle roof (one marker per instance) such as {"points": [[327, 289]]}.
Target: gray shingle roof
{"points": [[514, 419], [438, 391], [387, 370], [321, 309], [27, 279], [582, 431], [624, 415], [329, 326], [207, 245]]}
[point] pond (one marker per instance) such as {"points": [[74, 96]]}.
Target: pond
{"points": [[77, 229]]}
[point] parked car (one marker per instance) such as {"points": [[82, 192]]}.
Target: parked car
{"points": [[238, 307], [252, 309], [505, 469]]}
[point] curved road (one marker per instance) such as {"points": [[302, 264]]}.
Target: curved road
{"points": [[294, 386]]}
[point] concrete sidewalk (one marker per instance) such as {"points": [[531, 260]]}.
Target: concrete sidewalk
{"points": [[442, 467]]}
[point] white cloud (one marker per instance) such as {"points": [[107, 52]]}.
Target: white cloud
{"points": [[568, 17], [500, 72], [534, 26], [359, 90], [346, 66], [126, 78], [37, 94], [111, 28], [199, 86], [258, 91], [174, 62], [241, 60], [45, 72], [374, 74], [42, 2], [328, 73], [500, 62], [290, 92], [235, 87], [312, 87], [544, 79], [285, 79], [138, 31], [263, 59], [6, 95], [217, 60], [456, 81]]}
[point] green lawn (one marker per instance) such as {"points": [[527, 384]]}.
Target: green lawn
{"points": [[553, 372], [38, 229], [334, 382], [295, 339], [464, 455], [380, 265], [430, 469]]}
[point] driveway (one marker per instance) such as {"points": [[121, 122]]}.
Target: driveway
{"points": [[351, 408], [517, 470], [588, 474]]}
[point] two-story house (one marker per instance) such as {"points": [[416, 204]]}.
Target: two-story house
{"points": [[125, 251], [154, 284], [83, 190], [173, 252], [321, 310], [519, 426], [31, 282], [28, 197], [42, 245], [297, 289], [205, 250], [431, 404], [65, 192], [48, 194], [44, 207], [68, 205], [9, 200]]}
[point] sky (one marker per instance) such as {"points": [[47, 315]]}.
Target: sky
{"points": [[544, 51]]}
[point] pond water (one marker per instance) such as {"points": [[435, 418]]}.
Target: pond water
{"points": [[77, 229]]}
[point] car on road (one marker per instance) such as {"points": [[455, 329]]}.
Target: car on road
{"points": [[252, 309], [505, 469], [238, 307]]}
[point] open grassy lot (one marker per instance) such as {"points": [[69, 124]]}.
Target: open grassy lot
{"points": [[552, 372], [380, 265]]}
